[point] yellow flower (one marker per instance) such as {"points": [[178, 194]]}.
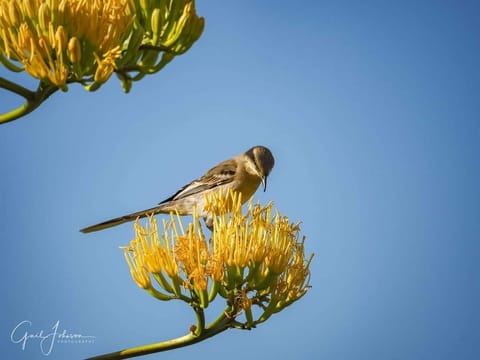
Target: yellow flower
{"points": [[137, 269], [251, 259], [65, 40], [192, 253]]}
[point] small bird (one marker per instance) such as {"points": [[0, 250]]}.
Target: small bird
{"points": [[242, 173]]}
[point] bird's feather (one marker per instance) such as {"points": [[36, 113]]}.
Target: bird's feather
{"points": [[221, 174], [120, 220]]}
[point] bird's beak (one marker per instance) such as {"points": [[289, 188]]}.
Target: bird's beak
{"points": [[264, 182]]}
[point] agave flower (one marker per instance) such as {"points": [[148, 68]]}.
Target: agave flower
{"points": [[255, 262], [60, 42]]}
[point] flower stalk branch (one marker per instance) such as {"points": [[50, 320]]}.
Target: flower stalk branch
{"points": [[33, 99], [216, 327]]}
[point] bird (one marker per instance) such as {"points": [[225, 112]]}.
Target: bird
{"points": [[242, 173]]}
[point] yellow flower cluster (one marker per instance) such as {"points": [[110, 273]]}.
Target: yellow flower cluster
{"points": [[85, 41], [251, 259], [58, 40]]}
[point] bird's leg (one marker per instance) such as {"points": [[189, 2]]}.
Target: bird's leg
{"points": [[209, 222]]}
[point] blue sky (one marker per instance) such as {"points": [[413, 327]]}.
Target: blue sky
{"points": [[372, 111]]}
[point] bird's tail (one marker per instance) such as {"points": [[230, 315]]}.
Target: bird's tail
{"points": [[123, 219]]}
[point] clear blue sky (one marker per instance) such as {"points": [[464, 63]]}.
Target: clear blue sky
{"points": [[372, 110]]}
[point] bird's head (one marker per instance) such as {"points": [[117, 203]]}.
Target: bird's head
{"points": [[263, 162]]}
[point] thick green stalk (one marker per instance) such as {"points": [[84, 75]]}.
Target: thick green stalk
{"points": [[221, 324], [33, 99]]}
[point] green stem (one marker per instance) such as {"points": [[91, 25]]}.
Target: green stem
{"points": [[17, 89], [221, 324], [33, 99], [155, 48]]}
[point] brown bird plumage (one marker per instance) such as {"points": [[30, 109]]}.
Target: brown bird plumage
{"points": [[242, 173]]}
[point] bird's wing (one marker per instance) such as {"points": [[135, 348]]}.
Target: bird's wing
{"points": [[221, 174]]}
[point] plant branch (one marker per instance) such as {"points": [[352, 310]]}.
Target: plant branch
{"points": [[221, 324], [200, 321], [17, 89], [33, 99]]}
